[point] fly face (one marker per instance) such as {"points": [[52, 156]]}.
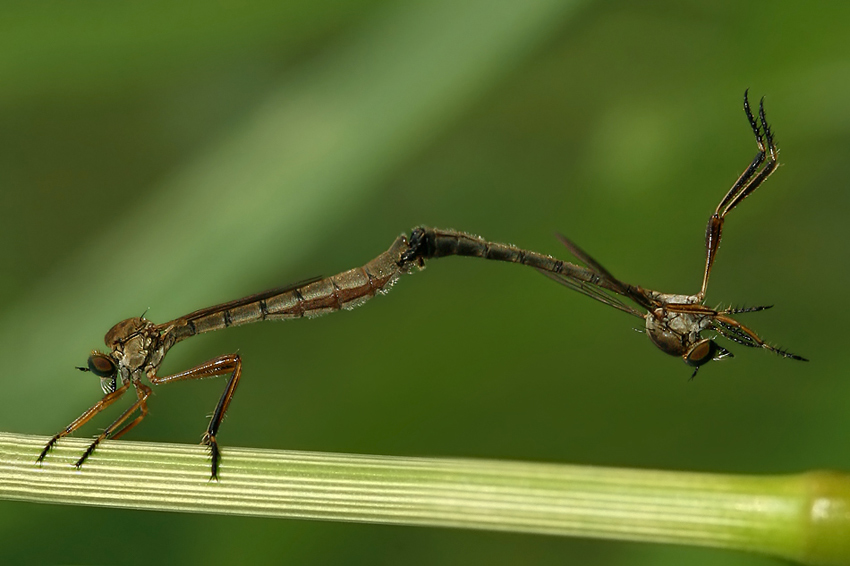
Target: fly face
{"points": [[129, 342], [105, 368], [678, 334], [703, 352], [672, 332]]}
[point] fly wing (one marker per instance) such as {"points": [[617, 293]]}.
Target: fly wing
{"points": [[585, 258], [612, 282], [245, 300], [592, 291]]}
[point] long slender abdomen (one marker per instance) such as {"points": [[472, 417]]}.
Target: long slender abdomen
{"points": [[428, 243], [345, 290]]}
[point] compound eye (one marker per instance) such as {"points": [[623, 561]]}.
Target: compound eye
{"points": [[101, 365], [704, 351]]}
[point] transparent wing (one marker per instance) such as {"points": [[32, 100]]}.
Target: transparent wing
{"points": [[592, 291], [611, 282], [244, 300]]}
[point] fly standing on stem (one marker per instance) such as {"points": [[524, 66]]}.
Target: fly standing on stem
{"points": [[137, 346]]}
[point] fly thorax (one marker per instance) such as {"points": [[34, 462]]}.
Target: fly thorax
{"points": [[672, 333], [157, 352], [124, 330], [134, 353], [130, 341]]}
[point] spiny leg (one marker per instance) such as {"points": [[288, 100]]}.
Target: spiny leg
{"points": [[697, 308], [142, 393], [731, 328], [739, 310], [737, 332], [748, 182], [222, 365], [218, 415], [107, 400], [733, 198]]}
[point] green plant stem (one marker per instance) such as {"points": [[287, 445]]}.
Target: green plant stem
{"points": [[803, 517]]}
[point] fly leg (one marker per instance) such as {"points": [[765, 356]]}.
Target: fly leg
{"points": [[222, 365], [107, 400], [737, 332], [142, 394], [748, 182]]}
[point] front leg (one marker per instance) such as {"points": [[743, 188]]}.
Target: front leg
{"points": [[737, 332], [222, 365], [142, 394], [107, 400]]}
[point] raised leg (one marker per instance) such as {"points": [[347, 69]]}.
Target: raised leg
{"points": [[107, 400], [748, 182], [221, 365]]}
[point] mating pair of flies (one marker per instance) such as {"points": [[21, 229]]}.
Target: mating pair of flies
{"points": [[674, 323]]}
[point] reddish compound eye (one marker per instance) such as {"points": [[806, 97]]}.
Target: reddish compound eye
{"points": [[704, 351], [101, 365], [699, 354]]}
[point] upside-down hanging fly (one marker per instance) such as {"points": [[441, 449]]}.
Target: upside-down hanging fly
{"points": [[673, 322]]}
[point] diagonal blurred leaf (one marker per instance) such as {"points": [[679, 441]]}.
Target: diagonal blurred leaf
{"points": [[326, 135]]}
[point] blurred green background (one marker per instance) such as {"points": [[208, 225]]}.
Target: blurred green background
{"points": [[170, 156]]}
